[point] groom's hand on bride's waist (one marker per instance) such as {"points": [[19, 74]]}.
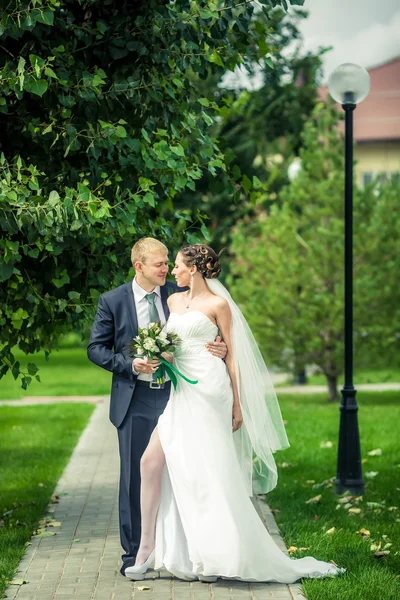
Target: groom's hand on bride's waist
{"points": [[218, 348]]}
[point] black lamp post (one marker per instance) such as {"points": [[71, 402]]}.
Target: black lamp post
{"points": [[349, 84]]}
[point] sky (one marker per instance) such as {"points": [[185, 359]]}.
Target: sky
{"points": [[365, 32]]}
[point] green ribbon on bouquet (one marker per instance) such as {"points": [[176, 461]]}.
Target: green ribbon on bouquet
{"points": [[172, 372]]}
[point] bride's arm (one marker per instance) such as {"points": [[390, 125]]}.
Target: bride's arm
{"points": [[223, 318]]}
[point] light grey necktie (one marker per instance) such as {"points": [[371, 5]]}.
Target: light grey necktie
{"points": [[154, 317]]}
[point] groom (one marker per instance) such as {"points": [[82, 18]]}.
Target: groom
{"points": [[136, 401]]}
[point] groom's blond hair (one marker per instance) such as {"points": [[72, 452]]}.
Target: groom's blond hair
{"points": [[145, 247]]}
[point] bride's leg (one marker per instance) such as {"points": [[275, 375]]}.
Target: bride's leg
{"points": [[151, 466]]}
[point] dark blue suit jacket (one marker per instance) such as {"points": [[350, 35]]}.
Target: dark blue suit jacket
{"points": [[115, 325]]}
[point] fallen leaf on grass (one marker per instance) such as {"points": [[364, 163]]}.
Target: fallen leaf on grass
{"points": [[354, 511], [375, 505], [371, 474], [326, 444], [326, 483], [41, 485], [315, 518], [54, 524], [363, 532], [18, 581], [285, 465], [376, 452], [382, 553], [314, 500], [142, 588], [294, 549], [330, 531], [333, 562], [375, 547], [393, 508], [343, 500]]}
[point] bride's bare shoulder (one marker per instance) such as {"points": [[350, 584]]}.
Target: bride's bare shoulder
{"points": [[220, 304], [174, 299]]}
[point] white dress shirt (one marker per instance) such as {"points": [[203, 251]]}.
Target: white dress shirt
{"points": [[142, 311]]}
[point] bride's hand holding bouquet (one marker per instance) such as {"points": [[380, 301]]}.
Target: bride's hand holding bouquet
{"points": [[156, 345]]}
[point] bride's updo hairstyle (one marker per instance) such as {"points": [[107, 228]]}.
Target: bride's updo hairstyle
{"points": [[204, 258]]}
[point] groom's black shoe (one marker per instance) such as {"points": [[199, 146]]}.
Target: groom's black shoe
{"points": [[125, 565]]}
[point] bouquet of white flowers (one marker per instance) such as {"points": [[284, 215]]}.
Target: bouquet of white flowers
{"points": [[151, 343]]}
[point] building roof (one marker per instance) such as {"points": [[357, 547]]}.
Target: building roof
{"points": [[377, 118]]}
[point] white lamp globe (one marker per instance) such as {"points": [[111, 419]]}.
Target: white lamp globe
{"points": [[349, 84]]}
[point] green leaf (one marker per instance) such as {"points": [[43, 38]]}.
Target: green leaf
{"points": [[54, 198], [36, 86], [32, 369], [21, 65], [269, 62], [145, 135], [178, 150], [204, 101], [257, 184], [120, 132], [205, 232], [215, 58], [149, 199], [45, 16], [50, 73], [75, 225], [97, 80], [246, 183], [61, 280], [6, 270], [18, 318], [74, 295]]}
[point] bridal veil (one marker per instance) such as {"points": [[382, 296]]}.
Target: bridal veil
{"points": [[262, 432]]}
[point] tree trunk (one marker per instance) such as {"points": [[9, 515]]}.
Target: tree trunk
{"points": [[333, 394]]}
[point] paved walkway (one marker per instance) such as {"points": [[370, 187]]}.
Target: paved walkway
{"points": [[82, 560], [322, 389], [277, 379]]}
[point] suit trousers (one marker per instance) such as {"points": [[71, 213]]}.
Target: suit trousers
{"points": [[133, 436]]}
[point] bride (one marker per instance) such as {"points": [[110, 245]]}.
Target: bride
{"points": [[198, 520]]}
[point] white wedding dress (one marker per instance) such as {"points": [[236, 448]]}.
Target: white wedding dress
{"points": [[207, 523]]}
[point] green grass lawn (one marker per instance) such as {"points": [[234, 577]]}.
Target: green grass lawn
{"points": [[361, 376], [68, 372], [306, 465], [35, 445]]}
